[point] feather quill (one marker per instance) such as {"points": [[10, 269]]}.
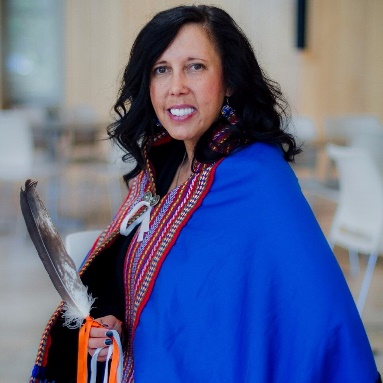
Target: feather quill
{"points": [[57, 262]]}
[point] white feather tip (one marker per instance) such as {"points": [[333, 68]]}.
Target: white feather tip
{"points": [[74, 315]]}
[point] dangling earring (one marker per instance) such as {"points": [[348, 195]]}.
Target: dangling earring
{"points": [[229, 113]]}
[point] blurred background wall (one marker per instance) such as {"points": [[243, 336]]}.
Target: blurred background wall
{"points": [[340, 70], [65, 58]]}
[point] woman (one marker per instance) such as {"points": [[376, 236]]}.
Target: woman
{"points": [[228, 278]]}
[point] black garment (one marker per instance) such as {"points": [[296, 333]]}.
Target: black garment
{"points": [[105, 278], [108, 270]]}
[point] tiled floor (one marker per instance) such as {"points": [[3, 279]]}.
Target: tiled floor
{"points": [[28, 298]]}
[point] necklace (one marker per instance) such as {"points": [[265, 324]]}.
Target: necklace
{"points": [[179, 169]]}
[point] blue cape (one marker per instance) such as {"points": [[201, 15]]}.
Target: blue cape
{"points": [[251, 291]]}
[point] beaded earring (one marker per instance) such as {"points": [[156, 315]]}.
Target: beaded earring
{"points": [[229, 113]]}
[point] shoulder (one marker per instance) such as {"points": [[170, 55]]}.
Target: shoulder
{"points": [[258, 152], [258, 167], [258, 157]]}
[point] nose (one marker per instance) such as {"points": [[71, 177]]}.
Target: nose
{"points": [[178, 84]]}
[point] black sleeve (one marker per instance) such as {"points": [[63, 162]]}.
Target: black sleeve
{"points": [[105, 280], [107, 271]]}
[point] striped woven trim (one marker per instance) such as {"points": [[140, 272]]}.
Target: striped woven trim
{"points": [[144, 259], [104, 241], [150, 256]]}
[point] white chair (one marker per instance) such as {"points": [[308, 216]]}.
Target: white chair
{"points": [[304, 130], [339, 129], [17, 161], [372, 142], [358, 221], [116, 168], [83, 128], [307, 136], [36, 117], [17, 152], [79, 243], [16, 146], [102, 180]]}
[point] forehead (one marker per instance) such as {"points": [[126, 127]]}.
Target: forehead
{"points": [[192, 40]]}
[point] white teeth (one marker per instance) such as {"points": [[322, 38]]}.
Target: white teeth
{"points": [[181, 112]]}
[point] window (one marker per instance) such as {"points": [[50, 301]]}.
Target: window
{"points": [[32, 52]]}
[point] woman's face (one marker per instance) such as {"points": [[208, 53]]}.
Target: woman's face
{"points": [[186, 87]]}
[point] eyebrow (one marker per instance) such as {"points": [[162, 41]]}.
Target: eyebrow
{"points": [[195, 58], [188, 59]]}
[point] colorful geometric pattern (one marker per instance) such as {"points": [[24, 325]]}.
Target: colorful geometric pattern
{"points": [[144, 259]]}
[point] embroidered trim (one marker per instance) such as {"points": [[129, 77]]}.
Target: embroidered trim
{"points": [[105, 240], [144, 259]]}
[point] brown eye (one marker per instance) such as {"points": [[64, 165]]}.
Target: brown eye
{"points": [[197, 66], [160, 70]]}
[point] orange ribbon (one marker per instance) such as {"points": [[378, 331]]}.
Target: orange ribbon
{"points": [[82, 360]]}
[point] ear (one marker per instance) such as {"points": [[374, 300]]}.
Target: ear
{"points": [[229, 92]]}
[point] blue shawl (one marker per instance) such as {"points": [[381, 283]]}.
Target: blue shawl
{"points": [[250, 291]]}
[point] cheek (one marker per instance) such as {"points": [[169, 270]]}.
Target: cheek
{"points": [[151, 92], [215, 98], [154, 97], [216, 89]]}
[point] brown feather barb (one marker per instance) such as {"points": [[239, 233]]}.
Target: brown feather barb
{"points": [[52, 252]]}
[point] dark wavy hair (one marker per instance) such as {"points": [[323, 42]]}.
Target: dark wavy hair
{"points": [[257, 100]]}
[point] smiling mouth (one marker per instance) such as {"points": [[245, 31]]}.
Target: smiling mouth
{"points": [[180, 112]]}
